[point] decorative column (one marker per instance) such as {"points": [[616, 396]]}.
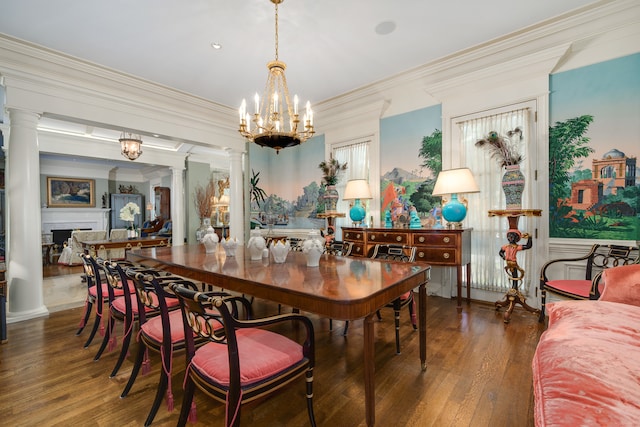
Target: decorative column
{"points": [[236, 202], [24, 266], [177, 206]]}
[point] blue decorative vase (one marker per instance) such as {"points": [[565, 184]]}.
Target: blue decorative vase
{"points": [[513, 186]]}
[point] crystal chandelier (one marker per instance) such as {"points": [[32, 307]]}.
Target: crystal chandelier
{"points": [[130, 145], [276, 122]]}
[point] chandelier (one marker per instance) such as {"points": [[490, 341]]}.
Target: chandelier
{"points": [[130, 145], [276, 122]]}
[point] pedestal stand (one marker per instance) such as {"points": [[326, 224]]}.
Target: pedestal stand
{"points": [[331, 226], [508, 252]]}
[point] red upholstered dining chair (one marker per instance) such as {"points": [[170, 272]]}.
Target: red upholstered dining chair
{"points": [[589, 284], [97, 294], [241, 362], [125, 308], [163, 333]]}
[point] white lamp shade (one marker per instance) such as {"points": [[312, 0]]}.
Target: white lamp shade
{"points": [[454, 181], [357, 189]]}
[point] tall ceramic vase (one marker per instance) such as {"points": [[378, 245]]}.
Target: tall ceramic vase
{"points": [[513, 186], [331, 197]]}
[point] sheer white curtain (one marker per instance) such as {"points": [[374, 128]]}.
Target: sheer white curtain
{"points": [[489, 233], [356, 155]]}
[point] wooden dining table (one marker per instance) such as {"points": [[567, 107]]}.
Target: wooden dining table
{"points": [[341, 288]]}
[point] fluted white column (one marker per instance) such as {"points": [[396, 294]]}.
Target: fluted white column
{"points": [[177, 206], [236, 200], [24, 266]]}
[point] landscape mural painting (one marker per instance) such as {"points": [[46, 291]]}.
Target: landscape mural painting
{"points": [[410, 160], [285, 188], [594, 142]]}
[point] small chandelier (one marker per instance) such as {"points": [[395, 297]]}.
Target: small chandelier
{"points": [[130, 145], [278, 126]]}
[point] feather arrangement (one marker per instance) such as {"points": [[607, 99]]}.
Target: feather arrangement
{"points": [[504, 149]]}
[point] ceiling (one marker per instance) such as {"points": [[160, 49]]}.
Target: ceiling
{"points": [[331, 47]]}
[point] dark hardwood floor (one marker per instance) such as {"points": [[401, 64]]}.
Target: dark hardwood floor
{"points": [[479, 374], [52, 270]]}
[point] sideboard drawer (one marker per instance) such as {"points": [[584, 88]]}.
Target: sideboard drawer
{"points": [[434, 239], [358, 250], [398, 238], [353, 236], [437, 256]]}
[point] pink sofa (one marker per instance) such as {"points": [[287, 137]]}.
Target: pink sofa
{"points": [[586, 368]]}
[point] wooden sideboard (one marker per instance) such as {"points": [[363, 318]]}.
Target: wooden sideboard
{"points": [[438, 247]]}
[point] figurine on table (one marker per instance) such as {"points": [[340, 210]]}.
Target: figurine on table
{"points": [[510, 251], [414, 219]]}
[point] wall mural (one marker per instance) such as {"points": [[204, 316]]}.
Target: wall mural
{"points": [[410, 159], [285, 187], [593, 147]]}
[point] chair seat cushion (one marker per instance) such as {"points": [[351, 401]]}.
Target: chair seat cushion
{"points": [[93, 291], [573, 288], [119, 304], [152, 328], [262, 354]]}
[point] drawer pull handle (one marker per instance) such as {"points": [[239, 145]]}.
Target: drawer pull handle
{"points": [[446, 240], [446, 255], [358, 236], [420, 254], [421, 239], [373, 237], [398, 238]]}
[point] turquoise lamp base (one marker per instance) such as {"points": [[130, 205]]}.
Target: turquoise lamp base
{"points": [[454, 211], [357, 213]]}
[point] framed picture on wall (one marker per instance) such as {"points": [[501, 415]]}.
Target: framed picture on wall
{"points": [[70, 193]]}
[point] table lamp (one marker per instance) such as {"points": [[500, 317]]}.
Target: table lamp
{"points": [[357, 189], [455, 181]]}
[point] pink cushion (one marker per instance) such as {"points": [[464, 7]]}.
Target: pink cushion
{"points": [[622, 284], [119, 304], [152, 328], [93, 291], [579, 288], [586, 368], [262, 354]]}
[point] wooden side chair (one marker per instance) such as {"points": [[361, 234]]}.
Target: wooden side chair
{"points": [[401, 253], [163, 333], [97, 295], [588, 285], [241, 362], [125, 308]]}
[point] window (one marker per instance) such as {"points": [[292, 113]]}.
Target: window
{"points": [[356, 154], [489, 233]]}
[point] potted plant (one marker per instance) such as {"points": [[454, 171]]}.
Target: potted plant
{"points": [[331, 171]]}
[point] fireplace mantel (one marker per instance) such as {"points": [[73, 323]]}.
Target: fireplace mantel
{"points": [[73, 218]]}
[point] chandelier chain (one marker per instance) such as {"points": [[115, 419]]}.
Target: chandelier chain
{"points": [[276, 31]]}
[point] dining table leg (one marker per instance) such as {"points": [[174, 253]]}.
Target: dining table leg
{"points": [[369, 370], [422, 324]]}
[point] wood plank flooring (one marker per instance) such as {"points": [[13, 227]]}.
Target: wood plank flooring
{"points": [[479, 374]]}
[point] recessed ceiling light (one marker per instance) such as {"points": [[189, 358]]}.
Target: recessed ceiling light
{"points": [[216, 45], [385, 27]]}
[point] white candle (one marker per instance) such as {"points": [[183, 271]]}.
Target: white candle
{"points": [[257, 101], [241, 110], [275, 102], [295, 104]]}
